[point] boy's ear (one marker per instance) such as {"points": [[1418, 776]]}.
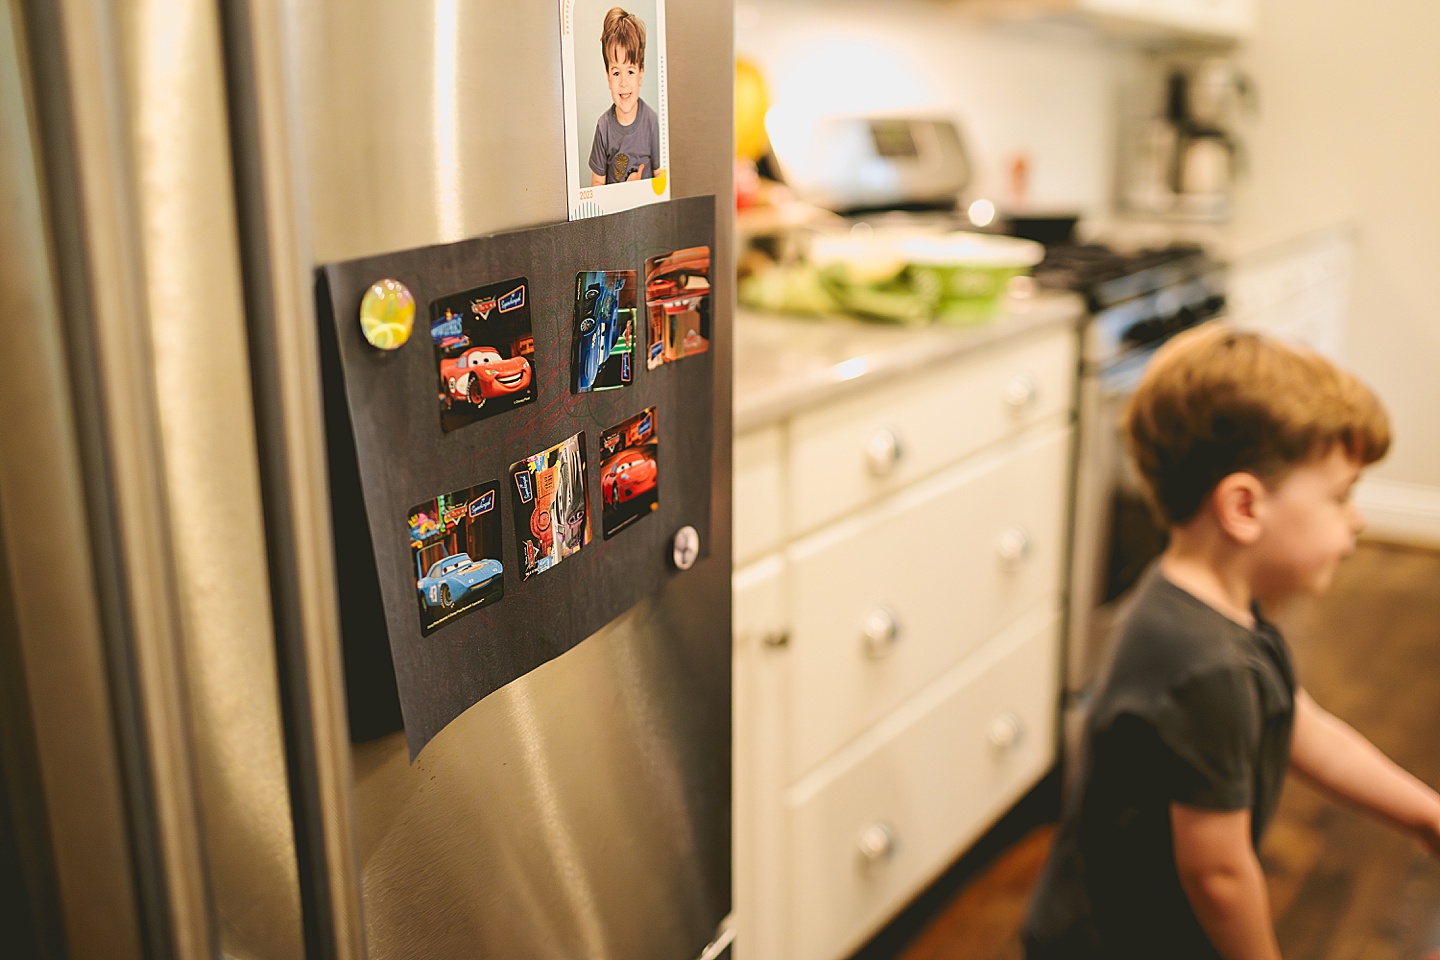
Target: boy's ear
{"points": [[1236, 502]]}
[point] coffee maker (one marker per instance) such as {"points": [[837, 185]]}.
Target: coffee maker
{"points": [[1181, 154]]}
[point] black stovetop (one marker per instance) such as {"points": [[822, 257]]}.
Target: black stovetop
{"points": [[1106, 276]]}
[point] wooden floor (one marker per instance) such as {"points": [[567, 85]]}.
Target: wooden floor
{"points": [[1342, 887]]}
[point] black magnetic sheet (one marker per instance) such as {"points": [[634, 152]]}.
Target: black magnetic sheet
{"points": [[389, 453]]}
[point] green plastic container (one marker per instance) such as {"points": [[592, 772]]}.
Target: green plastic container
{"points": [[965, 275]]}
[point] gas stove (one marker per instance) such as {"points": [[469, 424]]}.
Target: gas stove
{"points": [[1107, 276], [1136, 300]]}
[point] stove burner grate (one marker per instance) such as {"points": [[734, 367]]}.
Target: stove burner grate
{"points": [[1106, 276]]}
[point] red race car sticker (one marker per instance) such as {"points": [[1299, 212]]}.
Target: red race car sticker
{"points": [[484, 352], [629, 472]]}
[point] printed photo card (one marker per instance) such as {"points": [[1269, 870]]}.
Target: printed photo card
{"points": [[552, 510], [629, 472], [677, 302], [604, 330], [484, 352], [455, 543], [617, 112]]}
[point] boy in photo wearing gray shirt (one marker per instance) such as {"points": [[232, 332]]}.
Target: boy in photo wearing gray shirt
{"points": [[1249, 451], [627, 136]]}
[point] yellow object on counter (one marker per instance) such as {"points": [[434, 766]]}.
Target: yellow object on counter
{"points": [[752, 102]]}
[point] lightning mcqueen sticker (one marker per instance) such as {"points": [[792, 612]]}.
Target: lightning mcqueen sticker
{"points": [[484, 352]]}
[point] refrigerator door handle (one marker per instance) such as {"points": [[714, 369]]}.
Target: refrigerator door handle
{"points": [[261, 65]]}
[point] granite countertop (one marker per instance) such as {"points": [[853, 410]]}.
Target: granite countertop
{"points": [[787, 364]]}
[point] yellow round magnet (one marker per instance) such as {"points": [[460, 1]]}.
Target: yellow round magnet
{"points": [[387, 314]]}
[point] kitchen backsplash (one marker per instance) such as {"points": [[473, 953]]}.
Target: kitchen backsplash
{"points": [[1043, 92]]}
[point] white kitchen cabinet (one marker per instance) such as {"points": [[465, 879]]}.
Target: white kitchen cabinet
{"points": [[889, 599], [759, 494], [896, 635], [760, 680], [867, 834], [1211, 19], [1217, 18], [1299, 291], [849, 452]]}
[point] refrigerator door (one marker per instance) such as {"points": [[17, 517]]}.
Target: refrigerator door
{"points": [[140, 720], [174, 173], [583, 810]]}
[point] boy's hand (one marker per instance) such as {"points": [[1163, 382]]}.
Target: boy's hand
{"points": [[638, 174]]}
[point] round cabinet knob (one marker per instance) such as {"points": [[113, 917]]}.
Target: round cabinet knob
{"points": [[1005, 731], [1020, 393], [880, 631], [685, 548], [1014, 548], [876, 843], [776, 638], [882, 452]]}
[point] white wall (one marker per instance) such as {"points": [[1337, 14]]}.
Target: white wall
{"points": [[1048, 94], [1348, 133]]}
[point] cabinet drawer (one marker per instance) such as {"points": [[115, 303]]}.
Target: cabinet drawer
{"points": [[847, 453], [867, 835], [759, 489], [886, 601]]}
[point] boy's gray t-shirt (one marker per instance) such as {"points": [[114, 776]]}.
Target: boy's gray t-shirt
{"points": [[1193, 708], [618, 151]]}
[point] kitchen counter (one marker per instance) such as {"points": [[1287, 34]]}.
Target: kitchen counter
{"points": [[787, 364]]}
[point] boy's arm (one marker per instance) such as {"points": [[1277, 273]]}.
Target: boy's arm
{"points": [[596, 180], [1331, 754], [1223, 880]]}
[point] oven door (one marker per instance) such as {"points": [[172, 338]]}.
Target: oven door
{"points": [[1114, 536]]}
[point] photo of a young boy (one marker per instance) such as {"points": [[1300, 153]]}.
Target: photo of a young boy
{"points": [[616, 116], [627, 136], [1249, 451]]}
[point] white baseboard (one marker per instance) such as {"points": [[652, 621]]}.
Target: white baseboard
{"points": [[1394, 510]]}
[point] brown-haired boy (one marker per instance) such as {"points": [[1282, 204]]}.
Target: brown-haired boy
{"points": [[1249, 450], [627, 136]]}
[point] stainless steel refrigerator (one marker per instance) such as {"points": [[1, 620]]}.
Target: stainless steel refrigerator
{"points": [[179, 775]]}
